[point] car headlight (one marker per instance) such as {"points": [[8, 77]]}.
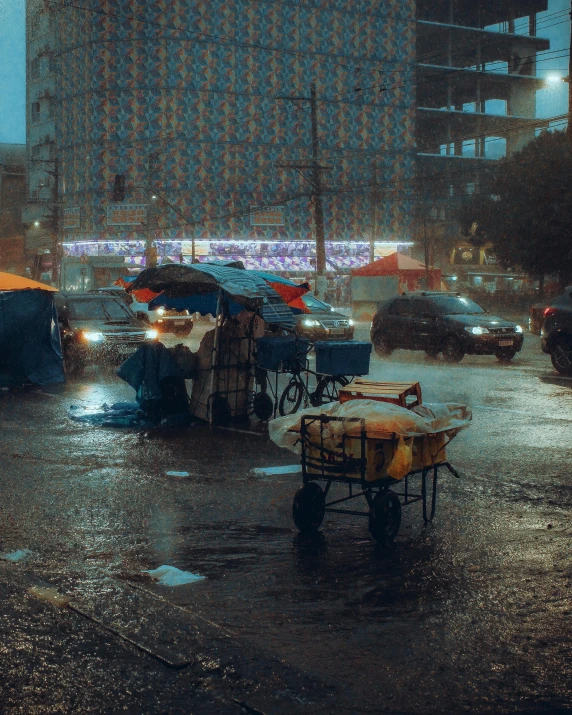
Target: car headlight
{"points": [[309, 323], [93, 337], [518, 329], [477, 330], [160, 311], [351, 323], [151, 335]]}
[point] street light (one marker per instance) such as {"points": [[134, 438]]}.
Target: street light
{"points": [[36, 224]]}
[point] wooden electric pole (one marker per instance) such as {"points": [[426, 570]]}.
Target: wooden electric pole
{"points": [[316, 180], [373, 201]]}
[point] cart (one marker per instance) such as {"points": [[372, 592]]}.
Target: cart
{"points": [[359, 460]]}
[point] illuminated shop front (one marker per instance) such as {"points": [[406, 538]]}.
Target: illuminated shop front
{"points": [[290, 257]]}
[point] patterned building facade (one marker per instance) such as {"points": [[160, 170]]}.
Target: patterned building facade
{"points": [[183, 98]]}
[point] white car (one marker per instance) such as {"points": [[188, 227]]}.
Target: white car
{"points": [[178, 322]]}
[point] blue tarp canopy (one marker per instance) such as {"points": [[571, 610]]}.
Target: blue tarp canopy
{"points": [[30, 349], [194, 288]]}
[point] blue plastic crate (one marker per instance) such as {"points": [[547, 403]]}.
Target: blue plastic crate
{"points": [[350, 357], [281, 352]]}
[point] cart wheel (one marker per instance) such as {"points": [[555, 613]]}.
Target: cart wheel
{"points": [[220, 411], [328, 389], [291, 398], [309, 507], [262, 406], [385, 517]]}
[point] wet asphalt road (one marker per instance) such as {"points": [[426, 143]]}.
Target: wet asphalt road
{"points": [[470, 614]]}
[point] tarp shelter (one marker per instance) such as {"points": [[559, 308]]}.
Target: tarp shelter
{"points": [[30, 349], [197, 288], [410, 272]]}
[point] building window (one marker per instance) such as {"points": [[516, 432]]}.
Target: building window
{"points": [[35, 111], [35, 68], [51, 108]]}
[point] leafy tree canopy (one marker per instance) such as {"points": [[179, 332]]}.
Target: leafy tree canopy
{"points": [[528, 214]]}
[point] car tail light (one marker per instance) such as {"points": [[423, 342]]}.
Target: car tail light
{"points": [[549, 311]]}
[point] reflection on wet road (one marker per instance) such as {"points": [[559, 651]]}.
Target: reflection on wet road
{"points": [[469, 614]]}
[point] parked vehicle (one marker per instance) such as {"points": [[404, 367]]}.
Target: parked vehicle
{"points": [[98, 330], [323, 322], [447, 323], [164, 320], [556, 335]]}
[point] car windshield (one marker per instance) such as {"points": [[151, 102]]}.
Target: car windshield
{"points": [[315, 305], [103, 309], [455, 305]]}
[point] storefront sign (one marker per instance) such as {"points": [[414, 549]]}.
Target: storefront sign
{"points": [[267, 216], [71, 217], [126, 214]]}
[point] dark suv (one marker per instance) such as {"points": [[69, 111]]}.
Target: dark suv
{"points": [[98, 329], [443, 323], [556, 334]]}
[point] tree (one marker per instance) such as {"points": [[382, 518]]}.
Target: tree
{"points": [[528, 215]]}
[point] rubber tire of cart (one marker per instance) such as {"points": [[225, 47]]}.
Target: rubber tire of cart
{"points": [[504, 356], [385, 517], [262, 406], [291, 398], [309, 507], [432, 354], [328, 389], [452, 350], [220, 410]]}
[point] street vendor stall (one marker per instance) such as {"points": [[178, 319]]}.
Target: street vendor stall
{"points": [[31, 350], [243, 304]]}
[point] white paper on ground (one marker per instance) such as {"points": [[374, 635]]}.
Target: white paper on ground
{"points": [[16, 556], [180, 475], [271, 471], [172, 576]]}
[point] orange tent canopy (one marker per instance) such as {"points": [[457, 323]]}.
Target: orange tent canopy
{"points": [[9, 281], [390, 266], [407, 269]]}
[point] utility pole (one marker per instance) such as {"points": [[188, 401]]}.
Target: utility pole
{"points": [[373, 201], [569, 80], [150, 249], [56, 223], [316, 181]]}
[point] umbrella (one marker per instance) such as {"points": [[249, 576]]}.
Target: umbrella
{"points": [[9, 281], [180, 285]]}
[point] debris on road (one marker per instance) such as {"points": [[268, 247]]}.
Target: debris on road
{"points": [[15, 556], [172, 576], [275, 471]]}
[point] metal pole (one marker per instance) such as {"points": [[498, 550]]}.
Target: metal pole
{"points": [[150, 251], [56, 224], [569, 127], [317, 182], [373, 213]]}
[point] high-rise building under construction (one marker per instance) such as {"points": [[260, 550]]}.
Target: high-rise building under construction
{"points": [[203, 109]]}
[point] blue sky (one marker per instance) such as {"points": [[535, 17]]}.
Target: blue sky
{"points": [[551, 101]]}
